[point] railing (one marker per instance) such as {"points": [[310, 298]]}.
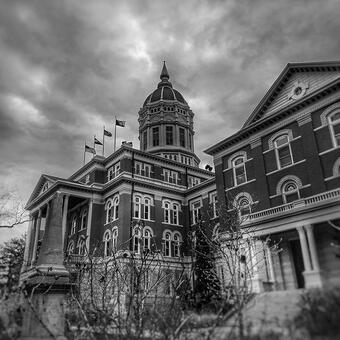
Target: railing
{"points": [[304, 202]]}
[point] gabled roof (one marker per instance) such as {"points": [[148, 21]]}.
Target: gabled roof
{"points": [[312, 74]]}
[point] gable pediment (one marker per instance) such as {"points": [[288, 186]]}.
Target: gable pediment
{"points": [[44, 183], [294, 83]]}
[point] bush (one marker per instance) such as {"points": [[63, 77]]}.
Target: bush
{"points": [[319, 312]]}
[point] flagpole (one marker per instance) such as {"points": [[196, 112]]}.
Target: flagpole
{"points": [[114, 143], [84, 151], [94, 144], [103, 138]]}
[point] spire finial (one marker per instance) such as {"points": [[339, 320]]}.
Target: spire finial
{"points": [[164, 74]]}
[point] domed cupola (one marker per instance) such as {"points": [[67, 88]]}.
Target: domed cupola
{"points": [[166, 124]]}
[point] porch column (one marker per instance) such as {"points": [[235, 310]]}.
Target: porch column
{"points": [[304, 248], [36, 237], [312, 247], [64, 221], [270, 263], [29, 242], [89, 223]]}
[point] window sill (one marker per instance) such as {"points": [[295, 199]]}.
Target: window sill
{"points": [[286, 167], [171, 224], [332, 177], [273, 149], [239, 185], [106, 223], [142, 219], [329, 150]]}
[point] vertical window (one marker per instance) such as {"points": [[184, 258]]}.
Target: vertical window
{"points": [[167, 212], [115, 208], [115, 239], [109, 211], [213, 204], [182, 137], [106, 240], [83, 219], [145, 140], [175, 214], [283, 151], [74, 225], [177, 244], [143, 169], [81, 246], [155, 136], [169, 137], [147, 208], [239, 170], [170, 176], [242, 204], [196, 211], [334, 123], [113, 171], [136, 239], [190, 141], [167, 244], [137, 207], [147, 239], [70, 248], [290, 191]]}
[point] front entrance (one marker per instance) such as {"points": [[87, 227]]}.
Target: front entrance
{"points": [[295, 247]]}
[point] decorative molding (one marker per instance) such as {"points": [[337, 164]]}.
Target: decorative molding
{"points": [[329, 110], [284, 179], [304, 119], [255, 142], [278, 134], [299, 90]]}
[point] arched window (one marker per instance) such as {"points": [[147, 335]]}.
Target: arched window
{"points": [[177, 244], [175, 213], [74, 225], [283, 151], [216, 233], [147, 238], [107, 240], [147, 208], [239, 170], [115, 207], [115, 239], [109, 211], [166, 206], [136, 239], [243, 203], [137, 206], [336, 168], [290, 191], [167, 243], [83, 219], [81, 246], [70, 248], [334, 125]]}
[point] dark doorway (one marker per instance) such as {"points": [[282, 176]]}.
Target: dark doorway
{"points": [[298, 262]]}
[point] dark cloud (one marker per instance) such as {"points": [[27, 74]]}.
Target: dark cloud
{"points": [[67, 67]]}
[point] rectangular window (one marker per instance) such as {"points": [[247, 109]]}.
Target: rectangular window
{"points": [[142, 169], [196, 211], [213, 204], [169, 135], [145, 140], [285, 157], [113, 171], [190, 141], [240, 175], [182, 137], [170, 176], [155, 136], [192, 181]]}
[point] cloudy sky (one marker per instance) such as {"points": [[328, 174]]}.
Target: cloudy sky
{"points": [[67, 67]]}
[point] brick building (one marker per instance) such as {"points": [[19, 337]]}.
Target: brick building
{"points": [[282, 168]]}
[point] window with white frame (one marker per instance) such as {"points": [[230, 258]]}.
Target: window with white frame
{"points": [[167, 243], [142, 169], [336, 168], [214, 204], [107, 242], [193, 181], [171, 212], [147, 235], [115, 239], [177, 244], [83, 219], [167, 211], [136, 239], [115, 206], [290, 191], [334, 125], [196, 211], [142, 206], [112, 208], [70, 248], [170, 176], [81, 246], [283, 151], [175, 213], [239, 170], [113, 171], [243, 204], [74, 225]]}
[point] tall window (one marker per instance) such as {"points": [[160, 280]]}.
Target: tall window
{"points": [[167, 211], [167, 244], [83, 219], [239, 170], [177, 244], [244, 206], [171, 212], [115, 239], [112, 207], [145, 140], [113, 171], [290, 191], [283, 151], [81, 246], [169, 135], [70, 248], [147, 208], [190, 140], [136, 239], [334, 124], [147, 238], [213, 204], [115, 207], [142, 207], [137, 207], [196, 211], [142, 169], [175, 213], [74, 225], [170, 176], [192, 181], [107, 241], [155, 136], [182, 137]]}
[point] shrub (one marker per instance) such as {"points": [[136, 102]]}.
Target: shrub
{"points": [[319, 312]]}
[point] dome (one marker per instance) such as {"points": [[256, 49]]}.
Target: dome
{"points": [[164, 91]]}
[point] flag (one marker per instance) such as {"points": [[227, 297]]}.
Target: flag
{"points": [[120, 122], [96, 141], [89, 149], [107, 133]]}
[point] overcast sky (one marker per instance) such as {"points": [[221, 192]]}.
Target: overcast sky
{"points": [[67, 67]]}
